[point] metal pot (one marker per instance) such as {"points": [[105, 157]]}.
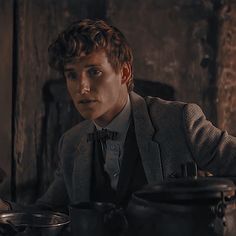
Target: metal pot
{"points": [[184, 207], [33, 223]]}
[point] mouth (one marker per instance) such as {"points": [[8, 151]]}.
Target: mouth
{"points": [[86, 101]]}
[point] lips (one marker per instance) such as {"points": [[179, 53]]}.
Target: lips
{"points": [[86, 101]]}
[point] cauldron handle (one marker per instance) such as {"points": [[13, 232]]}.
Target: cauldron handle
{"points": [[115, 220], [220, 220]]}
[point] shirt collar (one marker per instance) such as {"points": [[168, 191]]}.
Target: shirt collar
{"points": [[121, 122]]}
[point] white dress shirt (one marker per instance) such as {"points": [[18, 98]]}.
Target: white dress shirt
{"points": [[114, 149]]}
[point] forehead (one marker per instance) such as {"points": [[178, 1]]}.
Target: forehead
{"points": [[98, 57]]}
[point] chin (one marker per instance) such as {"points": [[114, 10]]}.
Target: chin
{"points": [[89, 116]]}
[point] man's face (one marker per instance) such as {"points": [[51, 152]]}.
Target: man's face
{"points": [[98, 92]]}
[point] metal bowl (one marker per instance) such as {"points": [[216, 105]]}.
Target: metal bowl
{"points": [[34, 223]]}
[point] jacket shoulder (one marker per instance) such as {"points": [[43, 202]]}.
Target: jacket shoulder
{"points": [[73, 136], [164, 108], [172, 115], [78, 129]]}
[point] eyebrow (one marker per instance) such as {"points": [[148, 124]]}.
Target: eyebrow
{"points": [[86, 66], [92, 65], [68, 69]]}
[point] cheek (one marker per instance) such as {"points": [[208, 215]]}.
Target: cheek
{"points": [[107, 94], [110, 88], [70, 89]]}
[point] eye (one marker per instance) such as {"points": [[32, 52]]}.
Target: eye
{"points": [[94, 72], [71, 75]]}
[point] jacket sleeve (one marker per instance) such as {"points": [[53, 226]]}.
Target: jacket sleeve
{"points": [[213, 150], [56, 197]]}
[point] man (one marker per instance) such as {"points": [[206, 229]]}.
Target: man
{"points": [[126, 141]]}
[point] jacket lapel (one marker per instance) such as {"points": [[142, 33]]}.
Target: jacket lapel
{"points": [[82, 167], [149, 150]]}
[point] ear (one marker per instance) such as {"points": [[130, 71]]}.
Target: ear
{"points": [[126, 72]]}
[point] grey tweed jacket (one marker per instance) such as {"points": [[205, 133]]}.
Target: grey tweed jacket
{"points": [[168, 135]]}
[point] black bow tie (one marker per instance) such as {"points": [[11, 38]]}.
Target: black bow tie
{"points": [[102, 135]]}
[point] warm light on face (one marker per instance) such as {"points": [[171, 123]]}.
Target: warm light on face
{"points": [[98, 92]]}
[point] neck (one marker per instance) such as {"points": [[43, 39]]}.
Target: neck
{"points": [[106, 119]]}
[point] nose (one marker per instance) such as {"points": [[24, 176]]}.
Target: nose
{"points": [[83, 85]]}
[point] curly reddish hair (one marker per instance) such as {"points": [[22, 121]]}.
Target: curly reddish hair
{"points": [[86, 36]]}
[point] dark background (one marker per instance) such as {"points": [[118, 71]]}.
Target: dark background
{"points": [[183, 49]]}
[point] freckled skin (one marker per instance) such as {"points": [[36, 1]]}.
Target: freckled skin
{"points": [[98, 92]]}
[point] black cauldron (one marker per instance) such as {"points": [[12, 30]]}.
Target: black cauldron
{"points": [[33, 223], [184, 207]]}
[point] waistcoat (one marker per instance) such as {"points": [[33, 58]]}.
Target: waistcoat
{"points": [[131, 177]]}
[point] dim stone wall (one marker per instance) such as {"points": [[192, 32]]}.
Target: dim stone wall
{"points": [[171, 45], [6, 29], [226, 69]]}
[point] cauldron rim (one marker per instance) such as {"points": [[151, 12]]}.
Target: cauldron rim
{"points": [[214, 184], [189, 189], [5, 215]]}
